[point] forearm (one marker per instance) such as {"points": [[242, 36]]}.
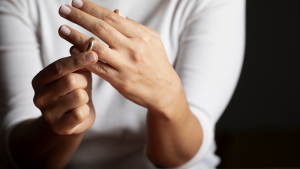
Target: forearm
{"points": [[173, 136], [33, 144]]}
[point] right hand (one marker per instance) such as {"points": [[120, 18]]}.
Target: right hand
{"points": [[63, 94]]}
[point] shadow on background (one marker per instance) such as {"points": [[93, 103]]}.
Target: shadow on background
{"points": [[261, 125]]}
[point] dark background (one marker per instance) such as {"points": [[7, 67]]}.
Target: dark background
{"points": [[261, 125]]}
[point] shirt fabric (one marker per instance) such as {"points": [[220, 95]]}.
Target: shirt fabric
{"points": [[203, 39]]}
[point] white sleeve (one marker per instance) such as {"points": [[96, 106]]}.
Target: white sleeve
{"points": [[209, 62], [20, 61]]}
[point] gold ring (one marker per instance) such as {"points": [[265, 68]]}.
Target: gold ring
{"points": [[91, 43]]}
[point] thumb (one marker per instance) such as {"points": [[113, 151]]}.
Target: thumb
{"points": [[65, 66]]}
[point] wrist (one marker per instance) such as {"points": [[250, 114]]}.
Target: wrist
{"points": [[33, 142], [174, 110]]}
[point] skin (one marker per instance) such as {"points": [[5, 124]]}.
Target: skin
{"points": [[136, 65], [63, 94]]}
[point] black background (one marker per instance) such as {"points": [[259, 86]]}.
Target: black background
{"points": [[261, 125]]}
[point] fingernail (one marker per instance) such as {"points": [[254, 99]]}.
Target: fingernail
{"points": [[90, 57], [64, 10], [77, 3], [121, 14], [65, 31], [75, 51]]}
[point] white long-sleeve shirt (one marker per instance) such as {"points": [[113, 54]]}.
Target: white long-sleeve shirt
{"points": [[204, 41]]}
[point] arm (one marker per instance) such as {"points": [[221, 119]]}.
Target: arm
{"points": [[208, 63], [27, 139], [174, 135], [137, 66]]}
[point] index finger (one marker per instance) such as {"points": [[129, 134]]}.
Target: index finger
{"points": [[63, 67], [115, 20]]}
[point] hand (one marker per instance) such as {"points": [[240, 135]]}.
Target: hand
{"points": [[63, 94], [136, 63]]}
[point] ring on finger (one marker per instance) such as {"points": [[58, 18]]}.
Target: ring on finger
{"points": [[91, 43]]}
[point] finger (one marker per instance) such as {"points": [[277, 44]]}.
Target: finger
{"points": [[66, 84], [117, 11], [98, 27], [68, 102], [81, 42], [149, 30], [113, 19], [64, 66], [104, 70], [66, 125], [74, 51]]}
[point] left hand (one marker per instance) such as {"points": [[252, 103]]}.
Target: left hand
{"points": [[136, 63]]}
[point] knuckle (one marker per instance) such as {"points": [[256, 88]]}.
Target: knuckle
{"points": [[79, 115], [38, 101], [58, 67], [137, 54], [102, 69], [77, 62], [48, 117], [100, 51], [56, 129], [90, 9], [81, 95], [86, 108], [102, 28], [110, 18], [78, 39], [70, 81], [77, 16], [34, 83], [145, 39], [125, 86]]}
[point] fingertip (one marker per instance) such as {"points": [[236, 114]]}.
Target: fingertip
{"points": [[64, 10], [65, 31], [77, 3], [74, 50], [117, 11], [91, 57], [59, 29], [59, 9]]}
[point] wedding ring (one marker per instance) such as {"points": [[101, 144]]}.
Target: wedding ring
{"points": [[91, 43]]}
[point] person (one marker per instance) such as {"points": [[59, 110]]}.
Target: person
{"points": [[148, 94]]}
